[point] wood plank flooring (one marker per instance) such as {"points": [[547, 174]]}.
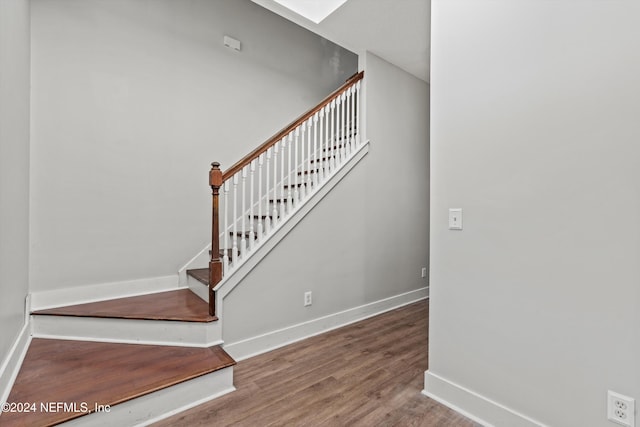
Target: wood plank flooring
{"points": [[368, 374], [102, 374], [179, 305]]}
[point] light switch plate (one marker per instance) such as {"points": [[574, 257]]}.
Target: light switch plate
{"points": [[455, 218]]}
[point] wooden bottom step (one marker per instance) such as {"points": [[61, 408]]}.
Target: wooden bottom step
{"points": [[91, 376], [179, 305], [200, 274]]}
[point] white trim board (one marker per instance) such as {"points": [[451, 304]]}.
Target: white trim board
{"points": [[161, 404], [41, 300], [473, 405], [127, 331], [254, 346], [12, 363]]}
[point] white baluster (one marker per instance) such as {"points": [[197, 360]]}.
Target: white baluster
{"points": [[345, 118], [327, 137], [260, 228], [252, 235], [267, 223], [289, 181], [352, 125], [323, 154], [234, 253], [358, 113], [343, 141], [348, 121], [316, 160], [225, 226], [296, 193], [310, 175], [282, 175], [274, 213], [303, 174], [243, 242], [334, 134]]}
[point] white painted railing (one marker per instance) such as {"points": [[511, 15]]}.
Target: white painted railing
{"points": [[259, 193]]}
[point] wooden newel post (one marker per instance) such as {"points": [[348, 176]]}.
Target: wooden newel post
{"points": [[215, 265]]}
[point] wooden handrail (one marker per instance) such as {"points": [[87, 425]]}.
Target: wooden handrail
{"points": [[278, 136]]}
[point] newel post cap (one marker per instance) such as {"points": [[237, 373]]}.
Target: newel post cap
{"points": [[215, 175]]}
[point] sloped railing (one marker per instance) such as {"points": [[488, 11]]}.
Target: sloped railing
{"points": [[257, 194]]}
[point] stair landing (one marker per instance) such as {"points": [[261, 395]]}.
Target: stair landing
{"points": [[89, 375], [180, 305]]}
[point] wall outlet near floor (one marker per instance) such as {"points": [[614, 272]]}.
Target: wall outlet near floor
{"points": [[307, 299], [424, 271], [621, 409]]}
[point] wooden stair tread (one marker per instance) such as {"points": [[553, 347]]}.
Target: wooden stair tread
{"points": [[179, 305], [300, 184], [246, 234], [200, 274], [263, 217], [101, 373], [334, 147]]}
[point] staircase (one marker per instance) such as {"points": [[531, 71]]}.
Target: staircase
{"points": [[255, 197], [135, 360]]}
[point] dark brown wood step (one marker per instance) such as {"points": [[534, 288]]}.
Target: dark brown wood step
{"points": [[97, 373], [333, 147], [300, 184], [180, 305], [312, 171], [200, 274], [279, 200], [324, 159], [263, 217], [247, 234]]}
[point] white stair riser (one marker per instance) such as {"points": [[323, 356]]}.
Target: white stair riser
{"points": [[161, 404], [198, 288], [135, 331]]}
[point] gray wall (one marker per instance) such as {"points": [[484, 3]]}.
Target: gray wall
{"points": [[132, 99], [535, 134], [368, 238], [14, 168]]}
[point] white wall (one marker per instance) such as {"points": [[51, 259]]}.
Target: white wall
{"points": [[535, 134], [367, 239], [132, 100], [14, 168]]}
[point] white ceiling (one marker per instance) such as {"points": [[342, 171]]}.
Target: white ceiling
{"points": [[395, 30]]}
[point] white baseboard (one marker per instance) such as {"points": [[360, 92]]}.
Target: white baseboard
{"points": [[250, 347], [161, 404], [127, 331], [11, 364], [473, 405], [83, 294]]}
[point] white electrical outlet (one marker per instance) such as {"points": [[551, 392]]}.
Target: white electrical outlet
{"points": [[424, 271], [621, 409], [307, 299]]}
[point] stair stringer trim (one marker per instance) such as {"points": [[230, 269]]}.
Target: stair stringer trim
{"points": [[232, 280]]}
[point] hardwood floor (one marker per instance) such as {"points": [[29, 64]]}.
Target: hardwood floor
{"points": [[366, 374]]}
